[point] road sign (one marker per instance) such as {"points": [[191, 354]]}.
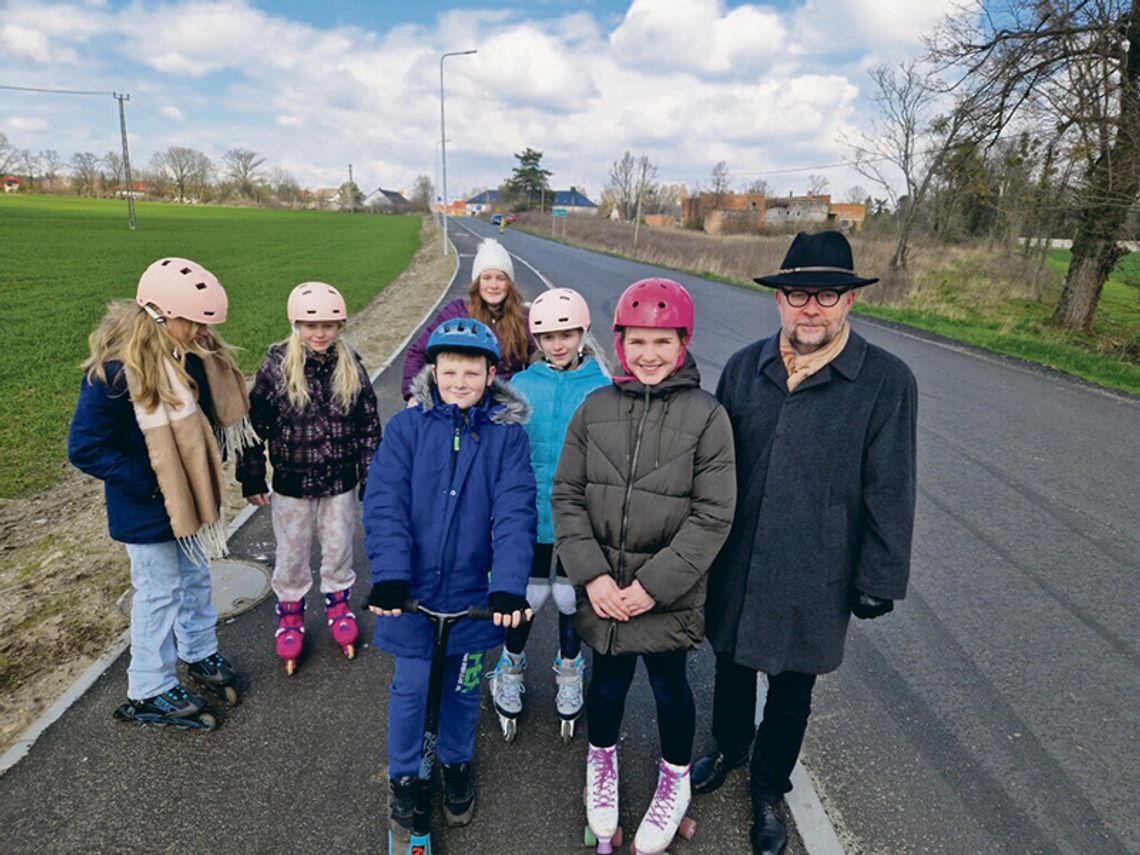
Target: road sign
{"points": [[559, 212]]}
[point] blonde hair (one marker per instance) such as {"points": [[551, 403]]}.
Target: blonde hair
{"points": [[128, 334], [509, 326], [346, 376]]}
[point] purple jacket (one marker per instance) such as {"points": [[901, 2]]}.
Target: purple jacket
{"points": [[320, 451], [416, 357]]}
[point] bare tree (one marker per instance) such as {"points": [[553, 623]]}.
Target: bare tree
{"points": [[284, 186], [186, 169], [422, 193], [621, 185], [910, 136], [720, 182], [242, 165], [51, 164], [116, 171], [817, 184], [29, 164], [7, 153], [758, 187], [856, 195], [1079, 61], [84, 169]]}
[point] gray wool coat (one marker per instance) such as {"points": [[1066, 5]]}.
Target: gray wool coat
{"points": [[827, 493], [644, 490]]}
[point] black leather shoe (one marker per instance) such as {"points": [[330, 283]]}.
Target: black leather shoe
{"points": [[710, 771], [769, 835]]}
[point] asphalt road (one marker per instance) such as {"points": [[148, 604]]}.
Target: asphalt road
{"points": [[995, 710]]}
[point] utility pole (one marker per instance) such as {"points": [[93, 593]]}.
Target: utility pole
{"points": [[126, 158], [640, 190]]}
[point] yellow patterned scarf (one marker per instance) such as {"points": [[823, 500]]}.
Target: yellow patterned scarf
{"points": [[802, 365]]}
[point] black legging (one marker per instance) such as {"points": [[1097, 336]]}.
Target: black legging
{"points": [[676, 711]]}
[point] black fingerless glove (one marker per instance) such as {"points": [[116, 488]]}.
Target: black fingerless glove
{"points": [[389, 595], [866, 607], [503, 603]]}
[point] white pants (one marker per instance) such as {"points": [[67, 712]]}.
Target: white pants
{"points": [[293, 521]]}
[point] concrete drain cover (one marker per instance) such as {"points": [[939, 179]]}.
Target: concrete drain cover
{"points": [[236, 587]]}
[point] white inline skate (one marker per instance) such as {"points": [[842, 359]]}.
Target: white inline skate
{"points": [[507, 690], [569, 676]]}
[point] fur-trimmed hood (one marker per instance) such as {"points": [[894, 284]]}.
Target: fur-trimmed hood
{"points": [[501, 404]]}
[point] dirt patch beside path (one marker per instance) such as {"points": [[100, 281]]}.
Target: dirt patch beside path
{"points": [[61, 575]]}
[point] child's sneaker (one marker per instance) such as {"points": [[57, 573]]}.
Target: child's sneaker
{"points": [[458, 794], [401, 811]]}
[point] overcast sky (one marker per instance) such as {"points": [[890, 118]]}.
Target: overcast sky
{"points": [[770, 88]]}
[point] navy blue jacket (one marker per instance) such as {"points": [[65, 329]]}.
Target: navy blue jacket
{"points": [[449, 506], [827, 495], [105, 442]]}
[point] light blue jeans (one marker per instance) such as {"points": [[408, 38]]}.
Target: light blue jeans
{"points": [[171, 615]]}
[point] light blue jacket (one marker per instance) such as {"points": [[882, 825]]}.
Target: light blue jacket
{"points": [[553, 396]]}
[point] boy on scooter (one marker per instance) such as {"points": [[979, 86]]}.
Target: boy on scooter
{"points": [[449, 522]]}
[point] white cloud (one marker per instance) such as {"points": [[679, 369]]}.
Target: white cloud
{"points": [[688, 82], [26, 123]]}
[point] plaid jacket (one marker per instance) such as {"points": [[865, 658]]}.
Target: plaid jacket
{"points": [[320, 451]]}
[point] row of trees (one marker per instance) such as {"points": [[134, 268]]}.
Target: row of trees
{"points": [[1023, 119], [183, 174]]}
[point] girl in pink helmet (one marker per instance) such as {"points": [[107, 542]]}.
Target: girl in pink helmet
{"points": [[314, 404], [559, 321], [643, 499], [161, 401]]}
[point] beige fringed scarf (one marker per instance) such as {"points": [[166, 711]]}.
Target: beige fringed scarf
{"points": [[186, 456], [802, 365]]}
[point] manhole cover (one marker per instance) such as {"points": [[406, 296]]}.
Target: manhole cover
{"points": [[236, 587]]}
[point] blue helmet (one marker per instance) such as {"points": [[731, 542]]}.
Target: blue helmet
{"points": [[463, 335]]}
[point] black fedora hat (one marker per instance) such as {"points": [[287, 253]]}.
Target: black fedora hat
{"points": [[821, 260]]}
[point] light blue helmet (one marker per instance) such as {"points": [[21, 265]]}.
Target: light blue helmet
{"points": [[464, 335]]}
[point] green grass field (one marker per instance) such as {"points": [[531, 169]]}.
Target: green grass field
{"points": [[63, 259], [968, 307]]}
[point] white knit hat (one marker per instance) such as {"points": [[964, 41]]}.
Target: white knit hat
{"points": [[492, 256]]}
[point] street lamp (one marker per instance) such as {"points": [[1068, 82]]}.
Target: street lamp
{"points": [[443, 137], [438, 189]]}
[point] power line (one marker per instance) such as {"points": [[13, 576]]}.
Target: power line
{"points": [[54, 91]]}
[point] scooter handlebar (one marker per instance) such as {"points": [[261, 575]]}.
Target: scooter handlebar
{"points": [[472, 612]]}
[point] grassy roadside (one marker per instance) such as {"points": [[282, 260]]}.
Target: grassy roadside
{"points": [[978, 297]]}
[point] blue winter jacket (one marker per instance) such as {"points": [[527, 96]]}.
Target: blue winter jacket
{"points": [[553, 396], [449, 507], [105, 442]]}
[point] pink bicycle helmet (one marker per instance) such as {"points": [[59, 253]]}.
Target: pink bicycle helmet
{"points": [[316, 301], [180, 288], [559, 309], [655, 304]]}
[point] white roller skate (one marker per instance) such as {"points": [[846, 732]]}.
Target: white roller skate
{"points": [[507, 690], [666, 817], [601, 798], [569, 676]]}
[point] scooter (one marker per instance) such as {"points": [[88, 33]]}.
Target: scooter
{"points": [[441, 623]]}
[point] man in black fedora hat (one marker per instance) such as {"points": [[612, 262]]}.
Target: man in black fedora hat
{"points": [[825, 462]]}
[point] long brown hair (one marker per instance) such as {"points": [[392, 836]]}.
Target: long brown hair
{"points": [[509, 325]]}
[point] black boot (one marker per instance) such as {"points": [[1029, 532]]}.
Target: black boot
{"points": [[710, 770], [769, 835], [402, 808], [458, 794]]}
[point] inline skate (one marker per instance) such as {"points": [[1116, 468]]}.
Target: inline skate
{"points": [[507, 691], [217, 676], [290, 632], [569, 677], [342, 621], [175, 707]]}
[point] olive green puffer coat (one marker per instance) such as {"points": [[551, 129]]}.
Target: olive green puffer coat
{"points": [[645, 490]]}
